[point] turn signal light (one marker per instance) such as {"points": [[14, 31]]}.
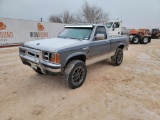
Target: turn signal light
{"points": [[54, 58]]}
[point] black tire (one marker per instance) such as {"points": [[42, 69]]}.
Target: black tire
{"points": [[144, 40], [74, 74], [149, 40], [118, 57], [38, 71], [135, 40]]}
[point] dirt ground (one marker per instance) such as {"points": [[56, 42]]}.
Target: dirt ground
{"points": [[127, 92]]}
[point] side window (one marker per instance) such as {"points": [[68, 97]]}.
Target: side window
{"points": [[116, 25], [101, 30]]}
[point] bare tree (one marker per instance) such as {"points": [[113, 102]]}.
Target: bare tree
{"points": [[64, 17], [91, 14], [67, 17], [55, 19]]}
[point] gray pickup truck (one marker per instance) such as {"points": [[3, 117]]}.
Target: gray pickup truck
{"points": [[75, 47]]}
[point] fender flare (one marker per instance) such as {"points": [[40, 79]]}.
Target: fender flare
{"points": [[74, 55], [121, 44]]}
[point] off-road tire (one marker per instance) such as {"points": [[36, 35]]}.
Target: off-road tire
{"points": [[135, 40], [118, 57], [143, 40], [69, 71], [37, 71]]}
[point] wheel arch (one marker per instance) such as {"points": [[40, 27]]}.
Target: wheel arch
{"points": [[76, 56], [121, 46]]}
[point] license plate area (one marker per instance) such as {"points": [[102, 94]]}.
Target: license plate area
{"points": [[33, 65]]}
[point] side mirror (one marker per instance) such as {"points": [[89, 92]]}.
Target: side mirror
{"points": [[100, 37]]}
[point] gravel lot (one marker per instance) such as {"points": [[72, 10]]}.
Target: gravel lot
{"points": [[127, 92]]}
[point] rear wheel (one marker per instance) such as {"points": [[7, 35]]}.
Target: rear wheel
{"points": [[118, 57], [144, 40], [149, 41], [74, 74], [135, 40]]}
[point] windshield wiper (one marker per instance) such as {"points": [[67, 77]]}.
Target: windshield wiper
{"points": [[74, 38], [70, 38], [61, 37]]}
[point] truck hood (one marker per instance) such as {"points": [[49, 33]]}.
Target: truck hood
{"points": [[51, 44]]}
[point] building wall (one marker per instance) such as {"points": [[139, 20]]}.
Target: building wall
{"points": [[16, 32]]}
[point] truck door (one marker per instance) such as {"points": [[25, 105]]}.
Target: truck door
{"points": [[115, 29], [99, 47]]}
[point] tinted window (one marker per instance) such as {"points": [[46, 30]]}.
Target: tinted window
{"points": [[101, 30], [109, 25], [116, 25]]}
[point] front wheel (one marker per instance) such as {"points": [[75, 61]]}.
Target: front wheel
{"points": [[135, 40], [118, 57], [74, 74]]}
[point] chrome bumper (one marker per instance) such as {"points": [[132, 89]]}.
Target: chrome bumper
{"points": [[54, 68], [43, 65]]}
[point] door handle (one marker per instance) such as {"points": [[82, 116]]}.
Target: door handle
{"points": [[107, 41], [85, 48]]}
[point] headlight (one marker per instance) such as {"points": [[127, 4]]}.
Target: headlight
{"points": [[23, 51], [54, 57]]}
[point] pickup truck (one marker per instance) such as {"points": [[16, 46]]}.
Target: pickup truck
{"points": [[74, 48]]}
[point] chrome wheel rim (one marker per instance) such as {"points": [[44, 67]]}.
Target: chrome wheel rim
{"points": [[78, 75], [145, 40], [136, 40]]}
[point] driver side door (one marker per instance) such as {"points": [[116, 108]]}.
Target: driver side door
{"points": [[99, 47]]}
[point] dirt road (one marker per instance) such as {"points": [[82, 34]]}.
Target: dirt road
{"points": [[128, 92]]}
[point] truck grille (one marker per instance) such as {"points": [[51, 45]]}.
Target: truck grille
{"points": [[46, 56], [33, 54], [30, 52]]}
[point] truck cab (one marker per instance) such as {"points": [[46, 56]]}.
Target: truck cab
{"points": [[114, 27]]}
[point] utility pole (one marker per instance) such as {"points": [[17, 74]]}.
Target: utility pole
{"points": [[41, 19]]}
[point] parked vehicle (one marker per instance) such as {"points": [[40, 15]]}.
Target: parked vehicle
{"points": [[136, 36], [155, 33], [75, 48], [140, 36]]}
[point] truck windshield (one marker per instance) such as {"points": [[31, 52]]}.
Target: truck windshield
{"points": [[109, 25], [76, 33]]}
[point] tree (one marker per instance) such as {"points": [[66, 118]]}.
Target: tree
{"points": [[55, 19], [91, 14], [64, 17]]}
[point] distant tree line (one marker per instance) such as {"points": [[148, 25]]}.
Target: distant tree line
{"points": [[87, 14]]}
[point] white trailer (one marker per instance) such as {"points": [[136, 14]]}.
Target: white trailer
{"points": [[16, 32]]}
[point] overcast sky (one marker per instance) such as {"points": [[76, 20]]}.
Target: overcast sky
{"points": [[134, 13]]}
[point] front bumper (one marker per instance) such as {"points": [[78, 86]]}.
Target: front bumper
{"points": [[39, 63]]}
